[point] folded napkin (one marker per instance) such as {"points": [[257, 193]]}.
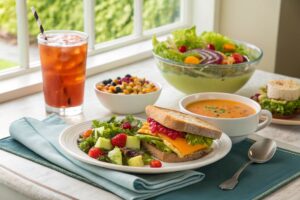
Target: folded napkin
{"points": [[42, 138]]}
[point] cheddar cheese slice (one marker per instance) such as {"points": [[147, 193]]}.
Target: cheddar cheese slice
{"points": [[181, 145], [145, 129]]}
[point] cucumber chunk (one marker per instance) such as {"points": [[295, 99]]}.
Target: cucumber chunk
{"points": [[133, 142], [103, 143], [115, 156], [136, 161], [98, 132]]}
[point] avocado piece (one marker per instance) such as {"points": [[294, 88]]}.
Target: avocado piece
{"points": [[103, 143], [133, 142], [136, 161], [115, 156]]}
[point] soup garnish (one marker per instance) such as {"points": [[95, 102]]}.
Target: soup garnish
{"points": [[220, 108]]}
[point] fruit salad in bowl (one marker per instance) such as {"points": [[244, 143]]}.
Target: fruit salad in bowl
{"points": [[209, 62]]}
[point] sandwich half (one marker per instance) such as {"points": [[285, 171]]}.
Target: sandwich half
{"points": [[172, 136], [280, 97]]}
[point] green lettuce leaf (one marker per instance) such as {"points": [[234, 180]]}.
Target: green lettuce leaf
{"points": [[277, 107], [97, 123], [147, 158], [156, 141], [161, 146], [197, 139], [87, 143], [147, 138], [112, 127], [216, 39], [136, 124], [166, 50], [187, 37]]}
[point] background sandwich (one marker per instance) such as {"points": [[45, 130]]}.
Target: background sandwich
{"points": [[280, 97], [172, 136]]}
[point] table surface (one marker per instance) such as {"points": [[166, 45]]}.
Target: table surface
{"points": [[33, 106]]}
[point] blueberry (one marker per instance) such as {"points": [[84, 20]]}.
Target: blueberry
{"points": [[118, 77], [105, 82], [118, 90], [128, 76], [113, 84], [109, 80]]}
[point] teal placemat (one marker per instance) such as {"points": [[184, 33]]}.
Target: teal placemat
{"points": [[256, 181]]}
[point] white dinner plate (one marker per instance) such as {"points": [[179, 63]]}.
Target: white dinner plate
{"points": [[68, 142], [295, 121], [291, 122]]}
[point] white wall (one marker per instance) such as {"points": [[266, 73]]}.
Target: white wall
{"points": [[205, 14], [254, 21]]}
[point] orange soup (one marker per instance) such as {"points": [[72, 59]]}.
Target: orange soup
{"points": [[220, 108]]}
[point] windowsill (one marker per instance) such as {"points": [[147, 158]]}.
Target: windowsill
{"points": [[32, 82]]}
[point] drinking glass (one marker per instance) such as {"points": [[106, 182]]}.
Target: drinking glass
{"points": [[63, 62]]}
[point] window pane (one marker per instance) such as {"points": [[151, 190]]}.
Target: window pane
{"points": [[113, 19], [55, 15], [8, 35], [160, 12]]}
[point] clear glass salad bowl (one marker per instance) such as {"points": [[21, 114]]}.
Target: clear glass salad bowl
{"points": [[190, 78]]}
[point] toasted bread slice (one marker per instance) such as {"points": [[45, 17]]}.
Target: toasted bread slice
{"points": [[172, 157], [288, 90], [182, 122]]}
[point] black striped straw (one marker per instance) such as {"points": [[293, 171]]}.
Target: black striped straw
{"points": [[37, 19]]}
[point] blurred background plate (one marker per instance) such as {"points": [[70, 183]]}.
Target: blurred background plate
{"points": [[291, 122]]}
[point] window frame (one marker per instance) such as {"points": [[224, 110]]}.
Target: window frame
{"points": [[138, 35], [19, 82]]}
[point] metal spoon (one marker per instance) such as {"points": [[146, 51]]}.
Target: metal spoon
{"points": [[260, 152]]}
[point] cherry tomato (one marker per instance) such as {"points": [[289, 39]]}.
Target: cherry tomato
{"points": [[87, 133], [211, 47], [95, 152], [126, 125], [155, 164], [238, 58], [182, 49]]}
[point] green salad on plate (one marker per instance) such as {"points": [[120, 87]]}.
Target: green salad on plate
{"points": [[116, 141]]}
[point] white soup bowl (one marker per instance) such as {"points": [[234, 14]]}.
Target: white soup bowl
{"points": [[236, 128]]}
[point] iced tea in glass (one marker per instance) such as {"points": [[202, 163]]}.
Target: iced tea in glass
{"points": [[63, 60]]}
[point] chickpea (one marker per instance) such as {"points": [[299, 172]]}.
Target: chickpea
{"points": [[128, 87]]}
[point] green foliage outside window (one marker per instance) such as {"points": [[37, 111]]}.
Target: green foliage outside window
{"points": [[160, 12], [113, 18]]}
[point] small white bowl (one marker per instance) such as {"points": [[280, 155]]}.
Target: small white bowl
{"points": [[236, 128], [127, 103]]}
